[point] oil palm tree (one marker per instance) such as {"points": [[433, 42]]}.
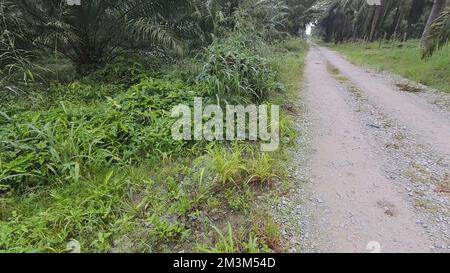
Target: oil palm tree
{"points": [[15, 58], [438, 7], [92, 32], [300, 14], [438, 35], [390, 19]]}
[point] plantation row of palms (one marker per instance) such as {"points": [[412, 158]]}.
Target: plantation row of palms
{"points": [[98, 30], [428, 20]]}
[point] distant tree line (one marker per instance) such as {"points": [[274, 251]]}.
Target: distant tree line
{"points": [[428, 20]]}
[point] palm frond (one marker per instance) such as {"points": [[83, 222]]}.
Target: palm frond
{"points": [[439, 34], [156, 33]]}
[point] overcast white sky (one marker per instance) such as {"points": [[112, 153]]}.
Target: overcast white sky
{"points": [[308, 30]]}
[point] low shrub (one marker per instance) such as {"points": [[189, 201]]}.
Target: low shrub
{"points": [[61, 143], [125, 71]]}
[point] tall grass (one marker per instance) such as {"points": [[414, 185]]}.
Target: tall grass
{"points": [[238, 67]]}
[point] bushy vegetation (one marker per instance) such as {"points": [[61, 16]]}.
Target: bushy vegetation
{"points": [[87, 160], [91, 159], [232, 69]]}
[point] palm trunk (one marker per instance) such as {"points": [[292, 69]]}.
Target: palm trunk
{"points": [[397, 25], [394, 23], [376, 17], [438, 7]]}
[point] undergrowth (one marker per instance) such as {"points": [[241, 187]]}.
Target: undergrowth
{"points": [[91, 159]]}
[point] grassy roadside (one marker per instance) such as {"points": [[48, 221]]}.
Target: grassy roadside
{"points": [[291, 69], [96, 182], [403, 59], [290, 65]]}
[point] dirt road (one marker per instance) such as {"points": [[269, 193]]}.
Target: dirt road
{"points": [[379, 157]]}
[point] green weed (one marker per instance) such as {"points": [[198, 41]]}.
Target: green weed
{"points": [[231, 242]]}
